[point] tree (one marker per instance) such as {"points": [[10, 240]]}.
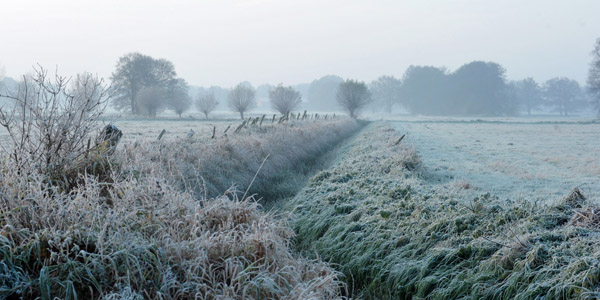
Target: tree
{"points": [[241, 98], [386, 91], [353, 96], [150, 101], [134, 71], [424, 89], [528, 94], [479, 88], [564, 94], [206, 103], [322, 92], [593, 80], [178, 98], [284, 99]]}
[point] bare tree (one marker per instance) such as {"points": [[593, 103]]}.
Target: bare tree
{"points": [[564, 94], [241, 98], [528, 94], [206, 103], [178, 97], [49, 124], [150, 101], [353, 96], [386, 91], [284, 99]]}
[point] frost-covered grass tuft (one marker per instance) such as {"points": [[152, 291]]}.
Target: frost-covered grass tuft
{"points": [[395, 236]]}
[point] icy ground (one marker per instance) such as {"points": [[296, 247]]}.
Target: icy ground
{"points": [[531, 160]]}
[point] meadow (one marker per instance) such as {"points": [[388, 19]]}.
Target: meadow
{"points": [[399, 228], [410, 208]]}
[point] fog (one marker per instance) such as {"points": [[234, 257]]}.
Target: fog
{"points": [[435, 58], [261, 41]]}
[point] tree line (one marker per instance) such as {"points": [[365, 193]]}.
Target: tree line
{"points": [[143, 85]]}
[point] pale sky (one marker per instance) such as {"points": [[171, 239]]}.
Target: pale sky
{"points": [[267, 41]]}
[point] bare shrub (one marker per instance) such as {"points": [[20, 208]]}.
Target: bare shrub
{"points": [[50, 123], [285, 99], [206, 103]]}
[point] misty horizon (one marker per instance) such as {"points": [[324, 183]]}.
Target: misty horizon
{"points": [[224, 43]]}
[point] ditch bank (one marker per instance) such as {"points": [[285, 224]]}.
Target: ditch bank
{"points": [[395, 236], [261, 160]]}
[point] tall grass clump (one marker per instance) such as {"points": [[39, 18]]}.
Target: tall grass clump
{"points": [[396, 236], [70, 232]]}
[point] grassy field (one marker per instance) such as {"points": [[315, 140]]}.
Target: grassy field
{"points": [[397, 232], [455, 209], [515, 159]]}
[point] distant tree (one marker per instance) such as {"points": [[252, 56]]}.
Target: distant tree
{"points": [[386, 91], [564, 94], [242, 98], [322, 93], [424, 90], [206, 103], [150, 101], [593, 80], [528, 94], [353, 96], [284, 99], [178, 98], [135, 71], [479, 88]]}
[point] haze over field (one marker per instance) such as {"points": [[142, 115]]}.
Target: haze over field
{"points": [[263, 41]]}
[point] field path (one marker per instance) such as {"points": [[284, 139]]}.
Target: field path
{"points": [[535, 161]]}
